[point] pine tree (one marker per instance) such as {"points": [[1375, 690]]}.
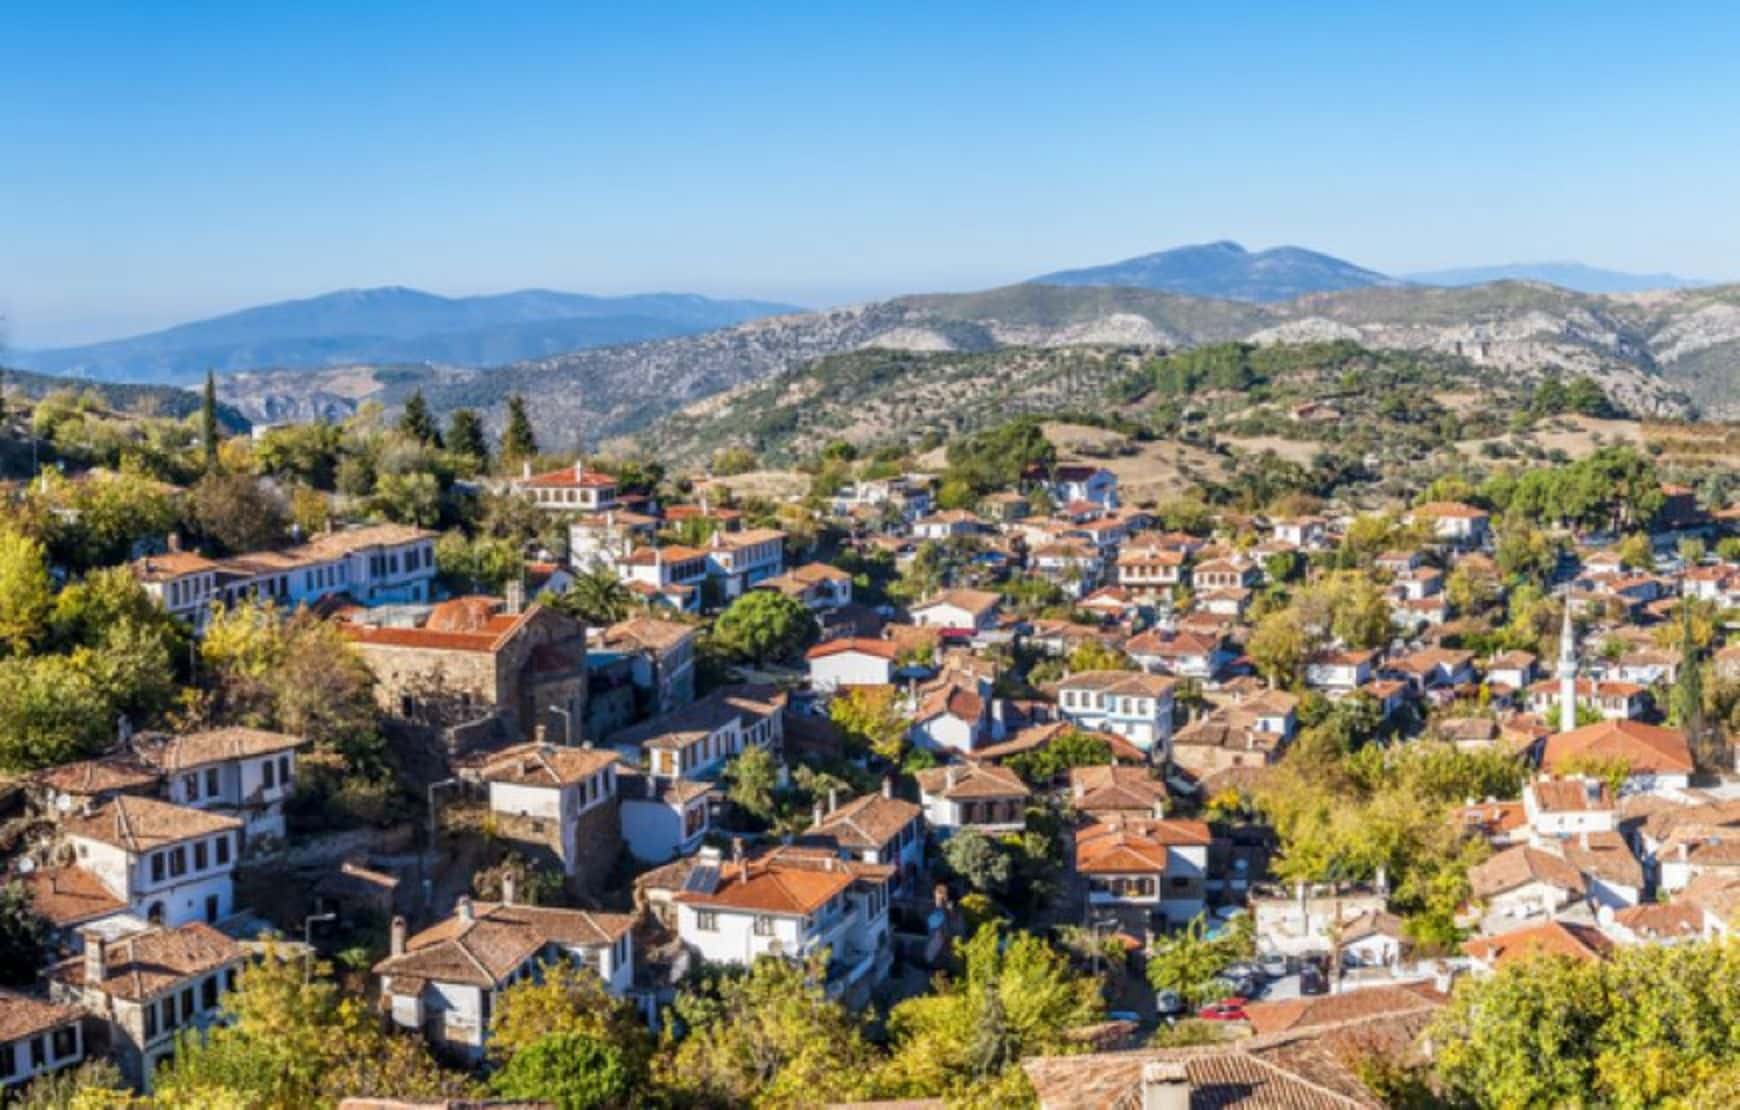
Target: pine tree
{"points": [[208, 422], [465, 437], [517, 441], [416, 422], [1688, 695]]}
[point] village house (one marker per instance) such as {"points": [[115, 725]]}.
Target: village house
{"points": [[445, 981], [1340, 672], [948, 524], [141, 989], [1183, 654], [571, 489], [662, 661], [875, 828], [1158, 866], [1573, 940], [664, 818], [1510, 672], [1103, 791], [1306, 919], [671, 575], [1225, 573], [740, 560], [1131, 704], [964, 609], [1455, 523], [1526, 882], [58, 791], [1151, 571], [603, 540], [1302, 531], [1569, 807], [980, 796], [817, 586], [558, 802], [1615, 701], [1656, 758], [953, 713], [1066, 482], [477, 659], [851, 661], [243, 773], [698, 740], [37, 1037], [792, 902], [170, 864]]}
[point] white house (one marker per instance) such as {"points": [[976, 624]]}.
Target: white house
{"points": [[664, 818], [37, 1037], [1157, 865], [572, 489], [742, 559], [973, 610], [244, 773], [1339, 672], [851, 661], [876, 828], [1526, 882], [1569, 807], [1131, 704], [141, 989], [1455, 523], [547, 793], [1077, 482], [791, 903], [445, 981], [982, 796], [171, 864]]}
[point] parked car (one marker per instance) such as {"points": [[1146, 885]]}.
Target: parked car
{"points": [[1227, 1009], [1274, 965], [1312, 980], [1246, 969], [1169, 1005]]}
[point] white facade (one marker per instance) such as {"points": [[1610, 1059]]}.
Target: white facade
{"points": [[190, 881], [850, 668]]}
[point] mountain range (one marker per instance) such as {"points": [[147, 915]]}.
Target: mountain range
{"points": [[1229, 271], [1566, 275], [393, 325]]}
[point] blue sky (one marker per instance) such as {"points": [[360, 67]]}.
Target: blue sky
{"points": [[164, 161]]}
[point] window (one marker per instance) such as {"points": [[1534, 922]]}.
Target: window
{"points": [[187, 1004], [211, 908], [150, 1022], [230, 979], [38, 1052], [284, 769], [65, 1042], [199, 855], [157, 867], [211, 782], [223, 850], [269, 773], [169, 1021], [763, 925], [177, 861], [8, 1061], [707, 921]]}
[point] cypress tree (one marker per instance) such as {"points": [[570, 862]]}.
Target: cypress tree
{"points": [[208, 422], [465, 437], [416, 422], [517, 441]]}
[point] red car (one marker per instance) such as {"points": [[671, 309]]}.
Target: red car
{"points": [[1227, 1009]]}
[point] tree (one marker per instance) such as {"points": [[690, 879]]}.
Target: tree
{"points": [[598, 597], [1092, 655], [753, 777], [23, 936], [26, 591], [51, 711], [764, 626], [465, 438], [1015, 997], [770, 1037], [1070, 748], [477, 565], [95, 1084], [289, 1039], [237, 512], [208, 422], [408, 499], [978, 861], [518, 443], [871, 716], [1278, 646], [567, 998], [1637, 551], [571, 1071], [416, 423], [1187, 962], [299, 675]]}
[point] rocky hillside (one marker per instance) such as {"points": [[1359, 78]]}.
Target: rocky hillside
{"points": [[1652, 352]]}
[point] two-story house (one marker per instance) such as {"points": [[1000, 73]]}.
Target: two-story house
{"points": [[37, 1037], [1340, 672], [1160, 866], [1184, 654], [1131, 704], [982, 796], [559, 802], [817, 586], [791, 903], [744, 559], [670, 575], [662, 660], [851, 661], [171, 864], [571, 489], [244, 773], [141, 989], [182, 582], [876, 828], [965, 609], [446, 980], [1455, 523]]}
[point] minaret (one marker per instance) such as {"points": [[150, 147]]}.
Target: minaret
{"points": [[1567, 672]]}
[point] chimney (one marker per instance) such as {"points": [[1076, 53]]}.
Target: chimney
{"points": [[579, 470], [833, 798], [174, 542], [1165, 1085], [817, 812], [888, 786], [96, 957], [467, 913], [949, 776], [396, 945], [737, 849], [526, 469], [539, 732], [509, 888], [516, 596]]}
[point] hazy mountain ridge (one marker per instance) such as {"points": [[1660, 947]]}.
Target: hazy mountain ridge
{"points": [[1649, 350], [1567, 275], [1227, 271], [395, 324]]}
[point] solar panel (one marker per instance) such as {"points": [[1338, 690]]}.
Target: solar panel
{"points": [[703, 879]]}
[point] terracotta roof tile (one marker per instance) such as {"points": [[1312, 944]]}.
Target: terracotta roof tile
{"points": [[139, 825]]}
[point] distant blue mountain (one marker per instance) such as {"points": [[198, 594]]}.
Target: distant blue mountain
{"points": [[395, 324], [1566, 275], [1228, 271]]}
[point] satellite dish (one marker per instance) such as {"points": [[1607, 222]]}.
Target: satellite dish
{"points": [[26, 865], [63, 802]]}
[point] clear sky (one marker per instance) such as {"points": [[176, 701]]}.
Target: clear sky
{"points": [[163, 161]]}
